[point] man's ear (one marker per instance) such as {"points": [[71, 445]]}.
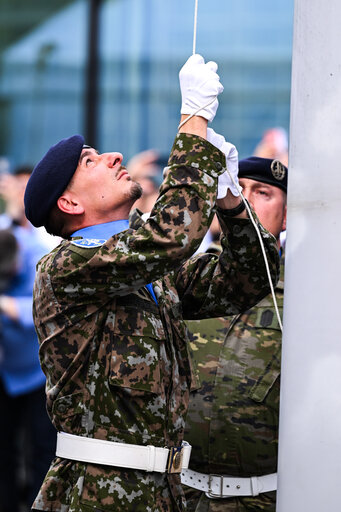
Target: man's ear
{"points": [[68, 204]]}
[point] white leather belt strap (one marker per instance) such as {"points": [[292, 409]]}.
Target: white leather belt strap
{"points": [[133, 456], [222, 486]]}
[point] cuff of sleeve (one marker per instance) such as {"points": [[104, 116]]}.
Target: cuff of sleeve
{"points": [[230, 221], [198, 153], [232, 212]]}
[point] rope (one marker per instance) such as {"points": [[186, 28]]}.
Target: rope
{"points": [[195, 26]]}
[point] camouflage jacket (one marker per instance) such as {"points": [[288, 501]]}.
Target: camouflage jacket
{"points": [[116, 363], [232, 420]]}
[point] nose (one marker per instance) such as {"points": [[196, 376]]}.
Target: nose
{"points": [[113, 159], [246, 194]]}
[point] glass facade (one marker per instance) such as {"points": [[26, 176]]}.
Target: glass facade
{"points": [[142, 44]]}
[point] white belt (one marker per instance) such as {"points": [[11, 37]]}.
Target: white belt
{"points": [[221, 486], [133, 456]]}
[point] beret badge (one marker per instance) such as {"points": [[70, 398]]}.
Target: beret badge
{"points": [[278, 170]]}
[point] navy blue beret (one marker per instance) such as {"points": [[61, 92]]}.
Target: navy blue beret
{"points": [[265, 170], [50, 177]]}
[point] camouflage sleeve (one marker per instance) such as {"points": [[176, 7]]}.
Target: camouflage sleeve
{"points": [[230, 282], [174, 230]]}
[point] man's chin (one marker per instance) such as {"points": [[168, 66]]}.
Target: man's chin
{"points": [[135, 191]]}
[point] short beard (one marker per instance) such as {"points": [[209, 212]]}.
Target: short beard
{"points": [[135, 191]]}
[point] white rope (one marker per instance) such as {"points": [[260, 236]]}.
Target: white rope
{"points": [[195, 26]]}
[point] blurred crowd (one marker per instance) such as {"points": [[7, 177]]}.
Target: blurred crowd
{"points": [[27, 437]]}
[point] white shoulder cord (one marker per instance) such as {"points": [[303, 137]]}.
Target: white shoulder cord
{"points": [[233, 181]]}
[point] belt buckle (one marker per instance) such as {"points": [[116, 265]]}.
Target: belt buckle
{"points": [[174, 462], [210, 493]]}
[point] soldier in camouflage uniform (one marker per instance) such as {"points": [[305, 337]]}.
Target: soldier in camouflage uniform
{"points": [[232, 422], [113, 347]]}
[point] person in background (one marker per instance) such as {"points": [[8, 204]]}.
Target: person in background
{"points": [[12, 190], [232, 421], [274, 145], [27, 438], [109, 304], [8, 257]]}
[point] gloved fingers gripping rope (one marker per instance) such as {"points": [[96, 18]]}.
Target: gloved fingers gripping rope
{"points": [[200, 85]]}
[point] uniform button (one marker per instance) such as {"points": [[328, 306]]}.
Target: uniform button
{"points": [[61, 408], [218, 166]]}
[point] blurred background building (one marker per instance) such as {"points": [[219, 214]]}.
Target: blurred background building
{"points": [[108, 69]]}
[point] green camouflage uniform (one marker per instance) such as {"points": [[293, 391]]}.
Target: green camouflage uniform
{"points": [[232, 421], [116, 363]]}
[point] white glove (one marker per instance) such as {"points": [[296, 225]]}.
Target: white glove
{"points": [[231, 153], [199, 84]]}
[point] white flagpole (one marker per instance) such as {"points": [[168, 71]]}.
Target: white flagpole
{"points": [[310, 415]]}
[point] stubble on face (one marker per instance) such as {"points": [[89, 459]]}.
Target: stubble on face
{"points": [[135, 191]]}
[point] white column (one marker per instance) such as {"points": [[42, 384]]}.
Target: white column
{"points": [[310, 415]]}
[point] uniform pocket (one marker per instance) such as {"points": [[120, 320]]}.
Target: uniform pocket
{"points": [[67, 412], [135, 354], [271, 334]]}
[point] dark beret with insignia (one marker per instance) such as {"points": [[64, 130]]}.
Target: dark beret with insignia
{"points": [[50, 177], [265, 170]]}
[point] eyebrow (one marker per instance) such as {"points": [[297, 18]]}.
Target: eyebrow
{"points": [[258, 184], [87, 153], [263, 184]]}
